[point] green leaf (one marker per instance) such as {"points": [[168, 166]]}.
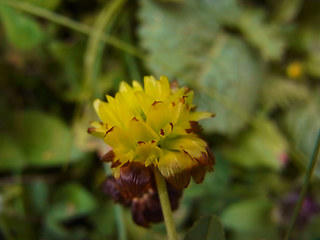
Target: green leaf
{"points": [[281, 93], [71, 200], [252, 216], [311, 43], [165, 28], [206, 228], [21, 30], [286, 10], [223, 70], [228, 85], [45, 139], [263, 146], [102, 217], [38, 196], [301, 124], [11, 155], [264, 36]]}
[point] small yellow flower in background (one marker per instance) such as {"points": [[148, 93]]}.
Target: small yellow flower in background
{"points": [[152, 127], [294, 69]]}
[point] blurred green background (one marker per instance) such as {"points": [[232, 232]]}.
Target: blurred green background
{"points": [[255, 63]]}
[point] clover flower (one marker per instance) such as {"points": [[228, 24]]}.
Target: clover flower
{"points": [[154, 127], [146, 207]]}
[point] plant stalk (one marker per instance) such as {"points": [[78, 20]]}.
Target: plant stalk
{"points": [[303, 192], [64, 21], [165, 205], [103, 20]]}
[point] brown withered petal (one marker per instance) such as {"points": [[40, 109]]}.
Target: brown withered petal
{"points": [[195, 127], [198, 173], [115, 164], [134, 179], [181, 179], [108, 157], [211, 160], [137, 211], [109, 187], [153, 211], [147, 209], [203, 159], [90, 130], [174, 196]]}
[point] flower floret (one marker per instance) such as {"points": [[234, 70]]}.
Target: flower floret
{"points": [[155, 126]]}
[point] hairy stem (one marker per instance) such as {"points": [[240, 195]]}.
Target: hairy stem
{"points": [[165, 205]]}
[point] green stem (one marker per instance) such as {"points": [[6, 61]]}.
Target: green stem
{"points": [[64, 21], [165, 205], [311, 167], [122, 233], [103, 20]]}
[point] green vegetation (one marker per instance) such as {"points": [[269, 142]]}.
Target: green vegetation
{"points": [[254, 63]]}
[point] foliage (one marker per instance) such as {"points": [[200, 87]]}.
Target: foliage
{"points": [[209, 227], [255, 64]]}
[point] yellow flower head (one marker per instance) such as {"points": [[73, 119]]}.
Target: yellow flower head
{"points": [[295, 69], [154, 127]]}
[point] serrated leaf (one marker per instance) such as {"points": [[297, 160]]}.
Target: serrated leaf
{"points": [[45, 139], [11, 155], [228, 86], [264, 36], [212, 63], [251, 216], [71, 200], [206, 228], [263, 146], [21, 30], [164, 29], [282, 93]]}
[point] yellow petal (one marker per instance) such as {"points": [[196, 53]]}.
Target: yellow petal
{"points": [[148, 153], [158, 90], [150, 86], [117, 138], [140, 131], [137, 86], [97, 124], [156, 117], [110, 99], [106, 112], [191, 144], [124, 87], [164, 87], [196, 116], [97, 132]]}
